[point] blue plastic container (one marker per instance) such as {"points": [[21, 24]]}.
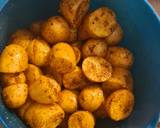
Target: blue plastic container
{"points": [[142, 36]]}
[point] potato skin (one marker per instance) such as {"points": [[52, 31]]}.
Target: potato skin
{"points": [[120, 57], [68, 101], [96, 69], [119, 104], [13, 59], [21, 110], [9, 79], [74, 11], [38, 52], [44, 90], [15, 95], [75, 79], [94, 47], [81, 119], [98, 24], [44, 116], [115, 37], [121, 79], [22, 37], [36, 27], [62, 58], [32, 73], [91, 98], [55, 30], [77, 54]]}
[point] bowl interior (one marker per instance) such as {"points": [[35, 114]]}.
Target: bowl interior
{"points": [[142, 37]]}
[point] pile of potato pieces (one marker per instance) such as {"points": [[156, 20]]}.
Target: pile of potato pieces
{"points": [[68, 70]]}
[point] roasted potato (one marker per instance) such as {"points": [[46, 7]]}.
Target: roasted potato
{"points": [[98, 24], [81, 119], [13, 59], [68, 101], [94, 47], [32, 73], [62, 58], [44, 90], [15, 95], [116, 36], [77, 54], [74, 11], [75, 79], [38, 52], [44, 116], [15, 78], [22, 37], [121, 79], [97, 69], [36, 27], [120, 57], [21, 111], [55, 30], [91, 98], [119, 104]]}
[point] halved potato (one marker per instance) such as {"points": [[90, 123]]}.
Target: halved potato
{"points": [[119, 104], [116, 36], [98, 24], [15, 78], [74, 11], [15, 95], [75, 79], [38, 52], [120, 57], [32, 73], [55, 30], [121, 79], [62, 58], [94, 47], [13, 59], [91, 98], [97, 69], [81, 119], [44, 90], [68, 101], [44, 116]]}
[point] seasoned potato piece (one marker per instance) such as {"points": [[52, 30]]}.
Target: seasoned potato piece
{"points": [[81, 119], [116, 36], [44, 90], [38, 52], [62, 58], [120, 57], [36, 27], [97, 69], [75, 79], [98, 24], [119, 104], [55, 29], [32, 73], [68, 101], [121, 79], [94, 47], [22, 37], [15, 95], [44, 116], [13, 59], [77, 54], [74, 11], [21, 111], [22, 33], [91, 98], [15, 78]]}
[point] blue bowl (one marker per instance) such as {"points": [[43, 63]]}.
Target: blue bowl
{"points": [[142, 36]]}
